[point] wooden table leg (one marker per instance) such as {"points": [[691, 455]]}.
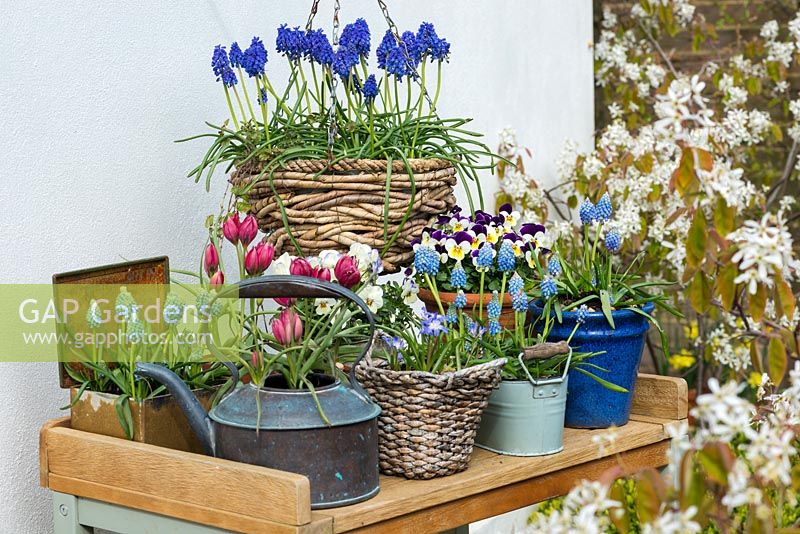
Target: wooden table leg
{"points": [[65, 515]]}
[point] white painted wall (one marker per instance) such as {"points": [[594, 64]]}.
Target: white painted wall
{"points": [[93, 94]]}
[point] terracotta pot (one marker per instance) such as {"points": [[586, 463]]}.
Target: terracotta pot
{"points": [[506, 315], [157, 421]]}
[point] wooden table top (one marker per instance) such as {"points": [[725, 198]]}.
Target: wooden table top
{"points": [[245, 498]]}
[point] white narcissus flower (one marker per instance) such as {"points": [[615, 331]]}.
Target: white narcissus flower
{"points": [[372, 297]]}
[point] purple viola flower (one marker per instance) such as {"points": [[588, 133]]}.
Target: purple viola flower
{"points": [[355, 36], [222, 67], [478, 229], [508, 208], [254, 59], [481, 217], [442, 220], [462, 237]]}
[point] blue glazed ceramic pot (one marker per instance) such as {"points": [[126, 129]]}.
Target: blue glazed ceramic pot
{"points": [[589, 404]]}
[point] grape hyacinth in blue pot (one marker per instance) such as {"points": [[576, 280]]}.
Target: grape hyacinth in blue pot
{"points": [[601, 306]]}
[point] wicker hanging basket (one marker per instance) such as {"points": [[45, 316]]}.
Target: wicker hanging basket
{"points": [[331, 206], [428, 422]]}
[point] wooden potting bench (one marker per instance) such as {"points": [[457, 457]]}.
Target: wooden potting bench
{"points": [[128, 487]]}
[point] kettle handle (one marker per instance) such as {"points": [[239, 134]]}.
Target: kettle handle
{"points": [[272, 286]]}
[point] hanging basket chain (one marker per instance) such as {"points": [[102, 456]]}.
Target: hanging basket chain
{"points": [[409, 62], [334, 83], [311, 15]]}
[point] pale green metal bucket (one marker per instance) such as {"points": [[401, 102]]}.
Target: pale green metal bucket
{"points": [[525, 417]]}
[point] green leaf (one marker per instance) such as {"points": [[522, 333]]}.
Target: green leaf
{"points": [[716, 460], [605, 383], [123, 408], [724, 216], [758, 302], [696, 240], [784, 297], [605, 302], [699, 291], [776, 364], [726, 287]]}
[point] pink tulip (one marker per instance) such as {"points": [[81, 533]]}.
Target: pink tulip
{"points": [[211, 259], [248, 230], [284, 301], [255, 359], [230, 228], [251, 264], [346, 271], [218, 279], [287, 327], [321, 273], [300, 267], [266, 252]]}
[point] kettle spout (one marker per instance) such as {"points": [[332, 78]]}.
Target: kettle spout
{"points": [[198, 418]]}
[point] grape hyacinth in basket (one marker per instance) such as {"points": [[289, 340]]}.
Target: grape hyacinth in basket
{"points": [[342, 153]]}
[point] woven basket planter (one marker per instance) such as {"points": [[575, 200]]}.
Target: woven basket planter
{"points": [[428, 422], [333, 206]]}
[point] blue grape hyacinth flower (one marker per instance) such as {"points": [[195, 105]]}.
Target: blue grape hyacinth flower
{"points": [[582, 311], [236, 55], [319, 48], [460, 301], [222, 67], [485, 257], [494, 327], [588, 212], [355, 36], [506, 260], [603, 209], [613, 241], [458, 276], [254, 59], [549, 287], [494, 309], [370, 89], [426, 260], [515, 284], [519, 301], [554, 266]]}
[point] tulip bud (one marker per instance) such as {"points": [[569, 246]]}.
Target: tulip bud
{"points": [[287, 327], [321, 273], [211, 259], [255, 359], [248, 230], [346, 271], [218, 279], [251, 264], [230, 228], [300, 267], [266, 251], [284, 301]]}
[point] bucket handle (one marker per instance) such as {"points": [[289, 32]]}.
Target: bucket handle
{"points": [[546, 381], [271, 286]]}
